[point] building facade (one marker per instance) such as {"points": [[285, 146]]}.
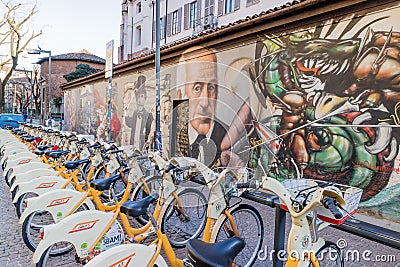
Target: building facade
{"points": [[310, 88], [179, 19], [60, 66]]}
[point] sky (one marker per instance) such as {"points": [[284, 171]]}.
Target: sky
{"points": [[73, 25]]}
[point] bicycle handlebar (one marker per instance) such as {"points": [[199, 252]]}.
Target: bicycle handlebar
{"points": [[250, 185], [331, 204]]}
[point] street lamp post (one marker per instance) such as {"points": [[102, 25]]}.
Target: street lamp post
{"points": [[38, 52]]}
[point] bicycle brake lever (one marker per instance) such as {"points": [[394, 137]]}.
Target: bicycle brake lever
{"points": [[345, 211]]}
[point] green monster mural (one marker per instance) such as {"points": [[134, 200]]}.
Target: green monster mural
{"points": [[336, 99]]}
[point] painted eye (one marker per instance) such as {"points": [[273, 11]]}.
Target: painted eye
{"points": [[211, 89], [197, 88]]}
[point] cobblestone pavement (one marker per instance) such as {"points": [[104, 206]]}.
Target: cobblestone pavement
{"points": [[13, 251]]}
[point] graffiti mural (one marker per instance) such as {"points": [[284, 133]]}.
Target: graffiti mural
{"points": [[317, 102]]}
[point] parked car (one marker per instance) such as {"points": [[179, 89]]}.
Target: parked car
{"points": [[12, 120]]}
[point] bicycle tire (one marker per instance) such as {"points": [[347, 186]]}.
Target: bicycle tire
{"points": [[154, 183], [246, 229], [178, 229], [47, 261], [20, 204], [31, 230], [119, 186], [330, 252], [8, 173]]}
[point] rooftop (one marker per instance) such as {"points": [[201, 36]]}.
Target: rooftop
{"points": [[83, 55]]}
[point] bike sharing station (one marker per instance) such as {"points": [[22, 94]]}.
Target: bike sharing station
{"points": [[301, 91]]}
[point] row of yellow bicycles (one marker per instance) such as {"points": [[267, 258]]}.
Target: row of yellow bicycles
{"points": [[104, 205]]}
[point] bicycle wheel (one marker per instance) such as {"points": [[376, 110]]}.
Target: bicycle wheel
{"points": [[119, 186], [31, 231], [154, 184], [20, 204], [329, 255], [182, 225], [46, 260], [8, 173], [250, 227]]}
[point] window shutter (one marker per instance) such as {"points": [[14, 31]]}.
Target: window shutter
{"points": [[169, 24], [206, 8], [198, 15], [237, 4], [179, 19], [154, 31], [186, 16], [212, 4], [220, 7]]}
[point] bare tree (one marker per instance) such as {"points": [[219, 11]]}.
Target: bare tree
{"points": [[15, 36]]}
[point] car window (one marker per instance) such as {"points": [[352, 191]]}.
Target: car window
{"points": [[6, 117]]}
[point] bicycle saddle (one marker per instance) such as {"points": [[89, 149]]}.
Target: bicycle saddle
{"points": [[219, 254], [58, 153], [29, 139], [74, 164], [43, 147], [39, 152], [138, 207], [104, 184]]}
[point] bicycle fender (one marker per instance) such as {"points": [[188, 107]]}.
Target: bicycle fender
{"points": [[127, 255], [81, 229], [21, 162], [58, 203], [26, 167], [39, 186], [21, 154], [9, 153], [30, 175]]}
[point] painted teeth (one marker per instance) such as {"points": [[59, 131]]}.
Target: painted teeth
{"points": [[316, 98], [344, 66]]}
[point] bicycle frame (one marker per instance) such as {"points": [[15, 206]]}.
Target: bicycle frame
{"points": [[100, 222], [150, 255]]}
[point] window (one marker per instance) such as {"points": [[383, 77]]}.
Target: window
{"points": [[208, 8], [138, 35], [139, 8], [162, 27], [251, 2], [228, 6], [175, 22], [192, 14]]}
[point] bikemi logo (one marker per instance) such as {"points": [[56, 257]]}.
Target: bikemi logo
{"points": [[59, 201], [83, 226], [46, 185], [24, 161], [124, 262]]}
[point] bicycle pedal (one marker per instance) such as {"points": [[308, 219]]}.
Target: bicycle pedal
{"points": [[183, 218], [187, 263], [130, 240]]}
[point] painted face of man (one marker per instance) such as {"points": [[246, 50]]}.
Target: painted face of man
{"points": [[201, 90], [140, 100]]}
